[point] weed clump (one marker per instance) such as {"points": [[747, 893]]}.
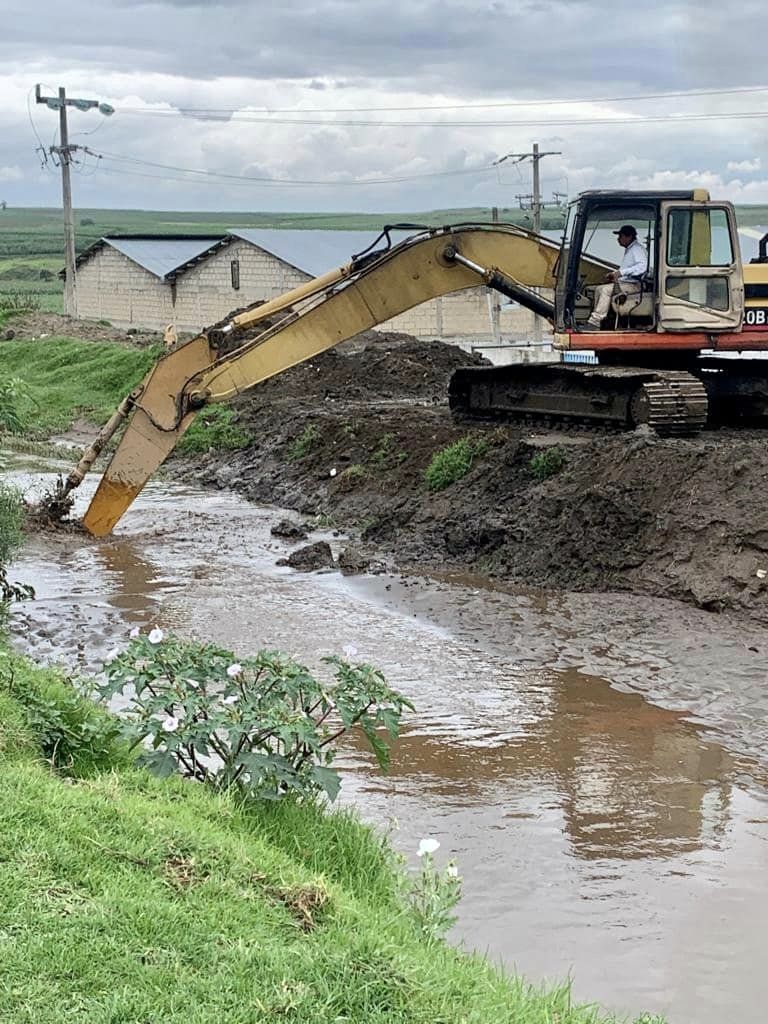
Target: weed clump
{"points": [[454, 462], [304, 443], [351, 477], [215, 429], [548, 463]]}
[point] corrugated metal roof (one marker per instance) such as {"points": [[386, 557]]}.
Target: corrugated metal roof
{"points": [[314, 252], [162, 256]]}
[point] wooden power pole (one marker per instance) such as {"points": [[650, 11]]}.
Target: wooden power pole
{"points": [[65, 152]]}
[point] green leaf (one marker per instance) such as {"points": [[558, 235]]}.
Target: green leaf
{"points": [[161, 763], [378, 746], [328, 779]]}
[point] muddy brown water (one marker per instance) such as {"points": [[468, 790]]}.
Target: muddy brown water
{"points": [[596, 764]]}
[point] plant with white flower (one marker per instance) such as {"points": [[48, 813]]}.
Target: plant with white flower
{"points": [[264, 725], [434, 893]]}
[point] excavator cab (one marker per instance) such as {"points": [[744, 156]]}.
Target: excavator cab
{"points": [[694, 279]]}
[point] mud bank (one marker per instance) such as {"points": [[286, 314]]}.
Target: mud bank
{"points": [[349, 435]]}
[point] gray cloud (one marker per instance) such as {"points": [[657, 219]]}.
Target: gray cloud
{"points": [[477, 45], [350, 53]]}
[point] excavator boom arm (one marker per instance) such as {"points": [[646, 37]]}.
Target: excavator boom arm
{"points": [[314, 317]]}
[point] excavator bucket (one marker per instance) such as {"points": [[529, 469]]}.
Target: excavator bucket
{"points": [[152, 433]]}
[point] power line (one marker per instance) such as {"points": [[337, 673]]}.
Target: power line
{"points": [[228, 111], [263, 180], [528, 123]]}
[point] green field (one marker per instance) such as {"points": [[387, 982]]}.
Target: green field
{"points": [[32, 239]]}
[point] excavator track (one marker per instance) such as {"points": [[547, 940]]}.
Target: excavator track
{"points": [[671, 402]]}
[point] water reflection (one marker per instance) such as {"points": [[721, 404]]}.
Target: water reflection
{"points": [[629, 779]]}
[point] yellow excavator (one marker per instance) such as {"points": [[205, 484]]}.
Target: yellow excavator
{"points": [[665, 353]]}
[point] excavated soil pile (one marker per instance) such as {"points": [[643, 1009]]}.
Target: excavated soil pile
{"points": [[349, 435], [40, 325]]}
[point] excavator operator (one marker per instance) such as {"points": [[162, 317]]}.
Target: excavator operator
{"points": [[627, 279]]}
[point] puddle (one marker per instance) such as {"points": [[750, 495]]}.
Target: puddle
{"points": [[595, 764]]}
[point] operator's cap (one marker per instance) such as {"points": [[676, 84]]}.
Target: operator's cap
{"points": [[626, 229]]}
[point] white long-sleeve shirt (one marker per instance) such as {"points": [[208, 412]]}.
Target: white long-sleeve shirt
{"points": [[634, 263]]}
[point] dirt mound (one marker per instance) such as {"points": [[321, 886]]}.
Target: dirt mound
{"points": [[392, 367], [350, 434], [34, 326]]}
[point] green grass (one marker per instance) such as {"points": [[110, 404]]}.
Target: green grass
{"points": [[301, 446], [70, 378], [215, 429], [549, 462], [454, 462], [126, 900]]}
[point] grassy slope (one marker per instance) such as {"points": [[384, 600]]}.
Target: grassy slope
{"points": [[127, 900], [71, 378]]}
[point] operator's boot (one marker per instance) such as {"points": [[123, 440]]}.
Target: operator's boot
{"points": [[591, 326]]}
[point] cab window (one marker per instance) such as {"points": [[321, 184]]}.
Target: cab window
{"points": [[698, 238]]}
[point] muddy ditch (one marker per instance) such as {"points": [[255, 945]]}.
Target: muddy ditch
{"points": [[348, 436]]}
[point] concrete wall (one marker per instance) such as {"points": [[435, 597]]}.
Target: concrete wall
{"points": [[112, 287], [205, 294]]}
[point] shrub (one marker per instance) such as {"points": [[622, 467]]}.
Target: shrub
{"points": [[214, 429], [16, 404], [264, 726], [11, 521], [454, 462], [18, 302], [548, 463], [303, 443], [71, 732]]}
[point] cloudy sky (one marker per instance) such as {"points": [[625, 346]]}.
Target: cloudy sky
{"points": [[382, 105]]}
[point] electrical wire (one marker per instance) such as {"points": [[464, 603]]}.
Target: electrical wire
{"points": [[228, 111], [528, 123], [259, 180]]}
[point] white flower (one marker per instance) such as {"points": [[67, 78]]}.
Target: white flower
{"points": [[136, 631], [234, 670], [452, 871], [170, 724], [233, 698], [761, 574], [427, 846], [156, 636], [349, 651], [332, 472], [111, 655]]}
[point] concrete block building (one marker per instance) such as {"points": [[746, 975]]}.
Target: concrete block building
{"points": [[192, 281]]}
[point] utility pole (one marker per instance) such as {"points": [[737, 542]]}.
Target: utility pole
{"points": [[65, 152], [493, 296], [536, 204], [535, 198]]}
